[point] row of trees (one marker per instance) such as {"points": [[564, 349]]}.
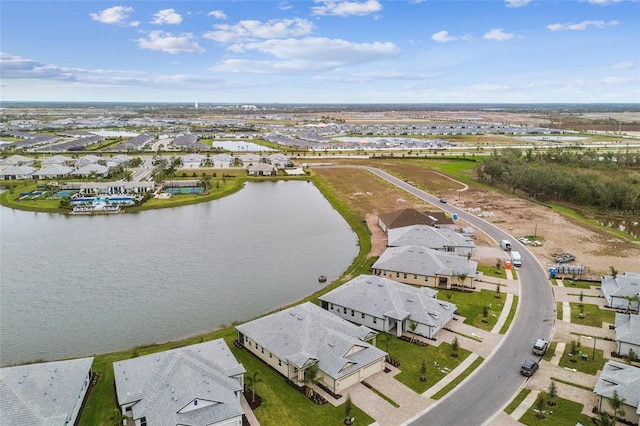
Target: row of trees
{"points": [[542, 181]]}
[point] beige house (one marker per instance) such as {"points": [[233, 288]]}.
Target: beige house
{"points": [[294, 339], [417, 265], [624, 379]]}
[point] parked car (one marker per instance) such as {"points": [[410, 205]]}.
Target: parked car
{"points": [[540, 347], [528, 368], [443, 200]]}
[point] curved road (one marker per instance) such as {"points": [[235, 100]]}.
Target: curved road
{"points": [[483, 394]]}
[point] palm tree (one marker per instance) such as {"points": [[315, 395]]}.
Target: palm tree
{"points": [[252, 381], [540, 406], [630, 300], [455, 346], [614, 271], [617, 404], [604, 419], [462, 276], [632, 356], [310, 378], [413, 325]]}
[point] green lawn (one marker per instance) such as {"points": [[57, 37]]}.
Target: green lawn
{"points": [[512, 313], [517, 401], [490, 271], [282, 404], [580, 284], [455, 382], [551, 350], [593, 315], [564, 413], [437, 358], [470, 306], [591, 365]]}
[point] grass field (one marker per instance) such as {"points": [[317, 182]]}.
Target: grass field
{"points": [[470, 306], [564, 413], [592, 315]]}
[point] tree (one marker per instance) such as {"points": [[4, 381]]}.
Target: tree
{"points": [[604, 419], [617, 404], [462, 277], [310, 378], [614, 271], [348, 408], [386, 339], [413, 326], [485, 313], [455, 346], [630, 300], [632, 356], [252, 381], [423, 371], [540, 406], [553, 392], [497, 291]]}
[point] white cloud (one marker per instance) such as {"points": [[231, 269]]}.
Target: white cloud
{"points": [[250, 29], [603, 2], [113, 15], [283, 5], [517, 3], [306, 55], [581, 26], [166, 16], [346, 8], [623, 66], [17, 67], [395, 75], [166, 42], [323, 49], [497, 34], [443, 37], [218, 14]]}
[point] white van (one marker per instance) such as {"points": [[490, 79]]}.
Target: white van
{"points": [[505, 244], [516, 259]]}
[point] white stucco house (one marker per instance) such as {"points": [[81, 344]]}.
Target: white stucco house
{"points": [[627, 333], [91, 169], [417, 265], [625, 380], [53, 171], [197, 385], [44, 394], [618, 289], [444, 240], [192, 161], [249, 158], [294, 339], [222, 161], [386, 305], [17, 160], [17, 172]]}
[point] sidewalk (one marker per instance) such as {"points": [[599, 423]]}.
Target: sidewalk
{"points": [[449, 377], [525, 405]]}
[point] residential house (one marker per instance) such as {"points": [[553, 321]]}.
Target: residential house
{"points": [[422, 266], [294, 339], [115, 188], [17, 172], [87, 160], [44, 394], [409, 217], [622, 291], [278, 160], [261, 169], [17, 160], [222, 161], [53, 171], [386, 305], [117, 160], [197, 385], [191, 161], [625, 380], [627, 333], [249, 158], [92, 170], [444, 240], [440, 219], [61, 160]]}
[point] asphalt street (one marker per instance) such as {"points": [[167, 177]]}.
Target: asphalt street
{"points": [[483, 394]]}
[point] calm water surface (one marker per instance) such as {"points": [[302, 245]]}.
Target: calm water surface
{"points": [[76, 286]]}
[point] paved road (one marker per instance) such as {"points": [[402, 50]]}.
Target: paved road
{"points": [[485, 393]]}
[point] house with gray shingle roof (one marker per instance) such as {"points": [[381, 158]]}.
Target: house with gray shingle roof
{"points": [[386, 305], [617, 289], [44, 394], [191, 161], [17, 160], [17, 172], [222, 161], [53, 171], [62, 160], [197, 385], [444, 240], [294, 339], [92, 169], [625, 380], [627, 333], [423, 266]]}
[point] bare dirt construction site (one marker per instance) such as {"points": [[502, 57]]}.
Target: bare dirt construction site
{"points": [[594, 247]]}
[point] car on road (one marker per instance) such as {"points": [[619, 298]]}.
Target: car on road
{"points": [[443, 200], [528, 368], [540, 347]]}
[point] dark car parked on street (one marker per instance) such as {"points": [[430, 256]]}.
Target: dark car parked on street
{"points": [[528, 368]]}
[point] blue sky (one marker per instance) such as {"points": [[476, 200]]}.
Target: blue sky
{"points": [[322, 51]]}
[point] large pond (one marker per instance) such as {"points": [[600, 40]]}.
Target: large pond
{"points": [[76, 286]]}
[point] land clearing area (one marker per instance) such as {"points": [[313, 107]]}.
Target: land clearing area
{"points": [[594, 247]]}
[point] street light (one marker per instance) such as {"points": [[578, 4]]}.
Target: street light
{"points": [[593, 354]]}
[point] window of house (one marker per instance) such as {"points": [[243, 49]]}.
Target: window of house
{"points": [[353, 313], [363, 315], [397, 274], [344, 310], [405, 275], [280, 362], [256, 345], [262, 349], [375, 320], [143, 421], [415, 276], [332, 306]]}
